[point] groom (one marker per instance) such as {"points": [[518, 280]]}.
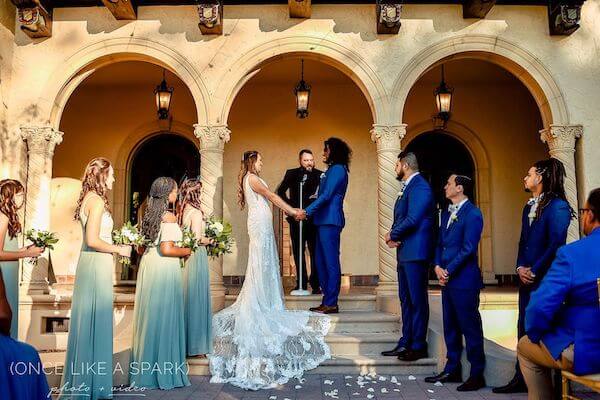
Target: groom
{"points": [[328, 216]]}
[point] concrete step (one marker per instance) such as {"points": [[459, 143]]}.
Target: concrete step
{"points": [[364, 322], [346, 302], [361, 343], [349, 364]]}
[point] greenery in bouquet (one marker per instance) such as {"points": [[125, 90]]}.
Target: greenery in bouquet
{"points": [[188, 241], [128, 234], [220, 234], [41, 238]]}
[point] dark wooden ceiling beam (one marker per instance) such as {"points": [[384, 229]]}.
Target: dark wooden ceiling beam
{"points": [[121, 9], [299, 8], [35, 19], [477, 8]]}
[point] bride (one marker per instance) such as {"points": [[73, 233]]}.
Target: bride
{"points": [[258, 344]]}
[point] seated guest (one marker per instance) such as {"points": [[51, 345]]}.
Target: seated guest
{"points": [[563, 314], [21, 374], [457, 270]]}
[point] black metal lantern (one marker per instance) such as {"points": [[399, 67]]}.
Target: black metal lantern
{"points": [[302, 92], [443, 99], [163, 95]]}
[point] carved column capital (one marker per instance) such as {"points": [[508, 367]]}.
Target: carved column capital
{"points": [[41, 140], [388, 137], [212, 137], [561, 137]]}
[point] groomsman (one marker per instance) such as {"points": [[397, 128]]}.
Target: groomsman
{"points": [[544, 226], [457, 269], [562, 316], [307, 174], [412, 236]]}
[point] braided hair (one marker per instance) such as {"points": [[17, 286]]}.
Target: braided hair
{"points": [[190, 193], [553, 175], [158, 204], [8, 189]]}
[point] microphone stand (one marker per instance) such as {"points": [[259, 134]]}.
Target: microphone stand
{"points": [[300, 291]]}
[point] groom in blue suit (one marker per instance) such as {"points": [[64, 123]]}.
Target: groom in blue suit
{"points": [[563, 314], [327, 214], [412, 236], [457, 269]]}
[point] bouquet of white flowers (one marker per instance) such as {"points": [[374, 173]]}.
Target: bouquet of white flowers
{"points": [[188, 241], [41, 238], [220, 232], [128, 235]]}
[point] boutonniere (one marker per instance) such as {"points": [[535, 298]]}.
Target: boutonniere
{"points": [[531, 201], [322, 175], [453, 218]]}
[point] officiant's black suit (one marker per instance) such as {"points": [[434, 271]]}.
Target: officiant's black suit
{"points": [[291, 183]]}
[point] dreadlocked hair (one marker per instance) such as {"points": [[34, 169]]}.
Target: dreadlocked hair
{"points": [[190, 193], [247, 167], [553, 175], [8, 189], [94, 180], [158, 204]]}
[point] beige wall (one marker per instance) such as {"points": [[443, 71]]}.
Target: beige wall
{"points": [[263, 118], [505, 118], [8, 166]]}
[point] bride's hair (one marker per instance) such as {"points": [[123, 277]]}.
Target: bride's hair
{"points": [[248, 161], [158, 205], [190, 193]]}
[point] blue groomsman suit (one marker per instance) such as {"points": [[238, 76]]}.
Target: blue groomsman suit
{"points": [[327, 214], [413, 228], [564, 309], [456, 252], [538, 244]]}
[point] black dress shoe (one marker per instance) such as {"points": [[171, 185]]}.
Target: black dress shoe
{"points": [[398, 350], [516, 385], [317, 291], [413, 355], [472, 384], [444, 377]]}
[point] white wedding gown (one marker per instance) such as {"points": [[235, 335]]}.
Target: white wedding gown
{"points": [[258, 344]]}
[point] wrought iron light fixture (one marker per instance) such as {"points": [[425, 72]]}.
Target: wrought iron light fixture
{"points": [[302, 93], [443, 100], [163, 95]]}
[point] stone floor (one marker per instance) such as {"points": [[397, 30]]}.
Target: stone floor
{"points": [[326, 387]]}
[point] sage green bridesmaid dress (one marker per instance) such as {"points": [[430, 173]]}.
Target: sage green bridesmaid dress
{"points": [[198, 308], [88, 362], [158, 354], [10, 273]]}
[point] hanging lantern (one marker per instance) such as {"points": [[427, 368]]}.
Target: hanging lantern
{"points": [[163, 95], [302, 92], [443, 99]]}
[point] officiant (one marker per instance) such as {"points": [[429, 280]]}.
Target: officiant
{"points": [[311, 176]]}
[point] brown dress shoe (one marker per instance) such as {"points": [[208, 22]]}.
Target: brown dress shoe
{"points": [[316, 309], [330, 310]]}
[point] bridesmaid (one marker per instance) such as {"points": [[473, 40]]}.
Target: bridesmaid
{"points": [[158, 355], [28, 386], [12, 195], [90, 343], [196, 280]]}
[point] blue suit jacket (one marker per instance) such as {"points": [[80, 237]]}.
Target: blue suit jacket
{"points": [[565, 310], [540, 241], [458, 245], [413, 221], [328, 208]]}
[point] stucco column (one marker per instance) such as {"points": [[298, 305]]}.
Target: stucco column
{"points": [[388, 139], [212, 144], [561, 145], [41, 141]]}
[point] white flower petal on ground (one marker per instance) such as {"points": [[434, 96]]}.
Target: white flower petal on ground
{"points": [[396, 390], [438, 383], [430, 391], [355, 394], [298, 387], [394, 379], [370, 396], [347, 384], [412, 378], [347, 377], [301, 380], [384, 390], [328, 382], [370, 390], [382, 378], [273, 398]]}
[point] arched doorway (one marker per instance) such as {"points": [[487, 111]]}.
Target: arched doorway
{"points": [[165, 154], [441, 155]]}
